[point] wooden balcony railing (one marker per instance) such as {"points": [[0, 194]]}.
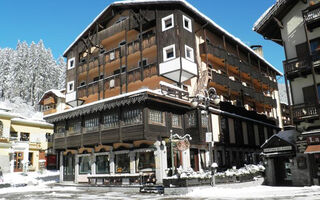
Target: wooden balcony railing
{"points": [[297, 65], [59, 135], [235, 86], [301, 112], [248, 91], [90, 129], [218, 78], [312, 16]]}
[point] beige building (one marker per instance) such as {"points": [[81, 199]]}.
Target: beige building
{"points": [[23, 142]]}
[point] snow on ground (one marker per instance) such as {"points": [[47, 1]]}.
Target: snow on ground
{"points": [[31, 178], [254, 190]]}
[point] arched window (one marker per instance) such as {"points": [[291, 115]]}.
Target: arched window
{"points": [[1, 128]]}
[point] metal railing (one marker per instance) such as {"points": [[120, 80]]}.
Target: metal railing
{"points": [[304, 111]]}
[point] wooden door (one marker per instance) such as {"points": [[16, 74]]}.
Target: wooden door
{"points": [[18, 158]]}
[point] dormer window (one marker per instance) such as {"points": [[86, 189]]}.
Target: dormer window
{"points": [[167, 22], [71, 63], [187, 24], [169, 53], [189, 53]]}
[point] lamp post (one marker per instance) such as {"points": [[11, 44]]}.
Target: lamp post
{"points": [[204, 100]]}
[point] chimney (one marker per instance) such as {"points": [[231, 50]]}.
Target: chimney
{"points": [[257, 49]]}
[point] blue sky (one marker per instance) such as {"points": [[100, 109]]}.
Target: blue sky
{"points": [[59, 22]]}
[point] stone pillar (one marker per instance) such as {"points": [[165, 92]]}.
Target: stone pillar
{"points": [[61, 167], [186, 159], [112, 163], [76, 169], [93, 163], [132, 162], [160, 158], [207, 157]]}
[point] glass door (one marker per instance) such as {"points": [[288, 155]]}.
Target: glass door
{"points": [[68, 167], [18, 158]]}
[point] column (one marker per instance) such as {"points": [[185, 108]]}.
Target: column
{"points": [[61, 167], [93, 162], [160, 158], [132, 162], [76, 170], [186, 159], [112, 163]]}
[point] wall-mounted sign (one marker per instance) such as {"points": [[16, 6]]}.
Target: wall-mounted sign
{"points": [[208, 137], [313, 139], [275, 149], [302, 144]]}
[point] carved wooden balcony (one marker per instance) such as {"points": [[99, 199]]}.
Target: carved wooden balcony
{"points": [[301, 112], [312, 16], [214, 50], [297, 67]]}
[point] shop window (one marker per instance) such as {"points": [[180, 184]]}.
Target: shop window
{"points": [[102, 164], [84, 165], [189, 53], [167, 22], [70, 87], [24, 136], [176, 121], [187, 24], [192, 119], [110, 120], [156, 117], [169, 53], [122, 163], [71, 63], [145, 161], [132, 116]]}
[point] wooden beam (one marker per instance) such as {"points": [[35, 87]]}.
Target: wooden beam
{"points": [[279, 23]]}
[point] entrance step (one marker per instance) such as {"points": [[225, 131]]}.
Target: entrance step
{"points": [[157, 189]]}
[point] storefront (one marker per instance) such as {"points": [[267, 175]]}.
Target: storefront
{"points": [[279, 153], [313, 152]]}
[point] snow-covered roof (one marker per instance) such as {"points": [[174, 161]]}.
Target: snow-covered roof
{"points": [[56, 92], [31, 122], [184, 3]]}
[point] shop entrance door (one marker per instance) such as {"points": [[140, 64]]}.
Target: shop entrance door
{"points": [[68, 167], [282, 171], [18, 165]]}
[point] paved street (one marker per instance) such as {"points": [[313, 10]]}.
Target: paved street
{"points": [[232, 191]]}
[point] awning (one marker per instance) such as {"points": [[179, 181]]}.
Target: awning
{"points": [[313, 149]]}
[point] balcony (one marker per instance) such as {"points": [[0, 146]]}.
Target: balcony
{"points": [[114, 29], [248, 91], [235, 86], [218, 78], [312, 16], [214, 50], [301, 112], [297, 66]]}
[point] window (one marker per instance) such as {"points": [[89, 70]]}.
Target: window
{"points": [[30, 159], [84, 165], [71, 63], [75, 127], [91, 123], [204, 121], [189, 53], [191, 119], [110, 120], [187, 24], [13, 135], [133, 116], [123, 69], [60, 129], [176, 121], [144, 62], [24, 136], [169, 53], [156, 117], [122, 163], [145, 161], [83, 83], [123, 42], [102, 164], [70, 87], [1, 129], [167, 22]]}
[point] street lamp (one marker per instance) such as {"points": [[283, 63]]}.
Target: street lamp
{"points": [[204, 100]]}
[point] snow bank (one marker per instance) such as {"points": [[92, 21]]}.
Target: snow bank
{"points": [[31, 178]]}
